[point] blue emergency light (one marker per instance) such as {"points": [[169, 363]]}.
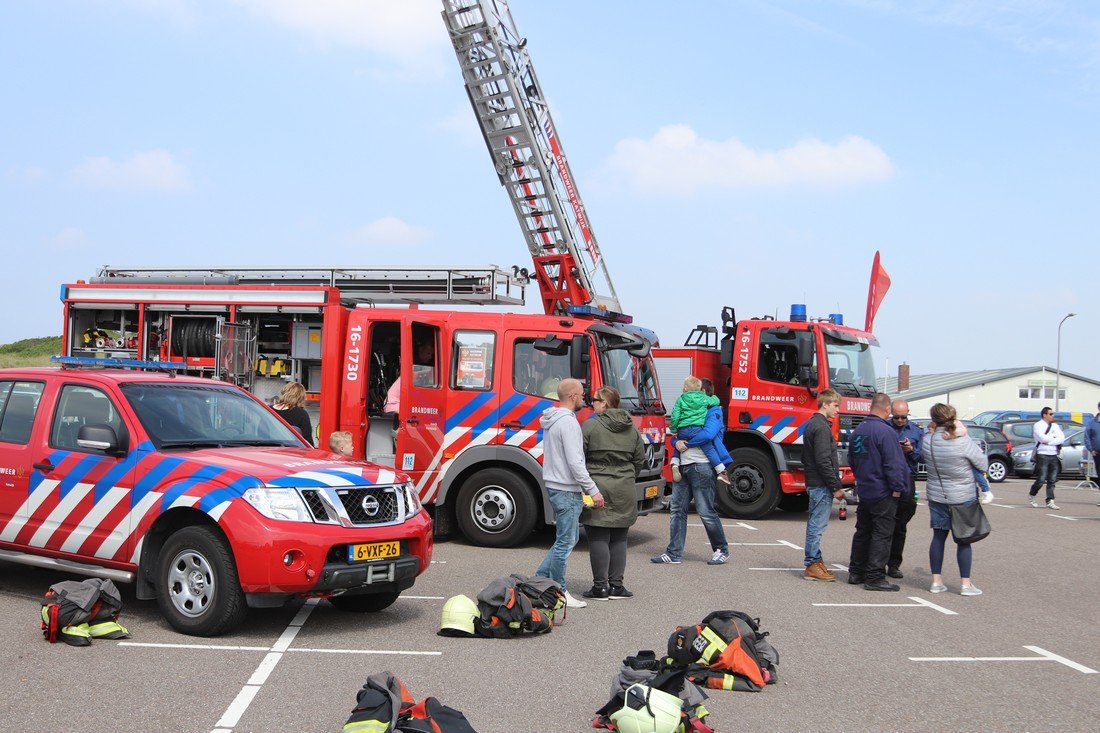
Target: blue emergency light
{"points": [[601, 313], [89, 361], [798, 312], [837, 318]]}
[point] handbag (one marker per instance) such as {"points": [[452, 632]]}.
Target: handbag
{"points": [[968, 521]]}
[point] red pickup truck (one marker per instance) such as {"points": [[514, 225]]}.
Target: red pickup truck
{"points": [[200, 494]]}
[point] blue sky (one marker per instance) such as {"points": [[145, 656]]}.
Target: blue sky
{"points": [[752, 154]]}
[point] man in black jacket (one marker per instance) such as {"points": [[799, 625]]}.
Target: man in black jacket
{"points": [[882, 478], [819, 459]]}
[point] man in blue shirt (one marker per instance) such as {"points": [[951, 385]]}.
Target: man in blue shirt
{"points": [[882, 479], [1092, 442], [909, 438]]}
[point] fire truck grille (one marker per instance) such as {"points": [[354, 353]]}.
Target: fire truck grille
{"points": [[370, 505], [848, 423], [316, 505]]}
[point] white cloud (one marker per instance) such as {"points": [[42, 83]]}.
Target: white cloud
{"points": [[68, 239], [149, 170], [676, 160], [403, 30], [390, 231]]}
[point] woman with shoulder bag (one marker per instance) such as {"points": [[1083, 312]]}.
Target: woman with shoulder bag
{"points": [[614, 454], [952, 457]]}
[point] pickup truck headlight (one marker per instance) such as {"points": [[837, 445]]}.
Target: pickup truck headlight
{"points": [[412, 499], [279, 503]]}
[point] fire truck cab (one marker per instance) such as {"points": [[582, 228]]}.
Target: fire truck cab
{"points": [[768, 374]]}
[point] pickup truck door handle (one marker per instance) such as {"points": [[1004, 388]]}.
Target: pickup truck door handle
{"points": [[44, 467], [512, 425]]}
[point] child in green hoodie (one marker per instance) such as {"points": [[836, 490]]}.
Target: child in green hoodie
{"points": [[689, 416]]}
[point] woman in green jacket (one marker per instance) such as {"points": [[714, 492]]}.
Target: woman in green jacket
{"points": [[614, 454]]}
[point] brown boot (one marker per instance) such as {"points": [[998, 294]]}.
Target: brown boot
{"points": [[818, 571]]}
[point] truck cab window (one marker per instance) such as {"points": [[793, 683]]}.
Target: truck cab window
{"points": [[79, 406], [472, 360], [425, 350], [777, 359], [18, 405], [535, 372]]}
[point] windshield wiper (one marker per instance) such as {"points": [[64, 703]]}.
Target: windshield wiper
{"points": [[192, 444], [269, 441]]}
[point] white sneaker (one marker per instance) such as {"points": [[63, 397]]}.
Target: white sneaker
{"points": [[571, 602], [677, 477], [937, 588], [987, 497], [1052, 505], [970, 590], [1033, 502]]}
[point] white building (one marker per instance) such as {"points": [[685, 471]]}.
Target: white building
{"points": [[1026, 388]]}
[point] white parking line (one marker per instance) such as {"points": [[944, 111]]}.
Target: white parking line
{"points": [[920, 603], [1007, 506], [742, 525], [791, 545], [788, 569], [422, 598], [838, 566], [1044, 656], [399, 652], [197, 646], [1072, 519]]}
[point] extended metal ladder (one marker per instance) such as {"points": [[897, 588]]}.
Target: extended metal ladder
{"points": [[526, 152], [479, 285]]}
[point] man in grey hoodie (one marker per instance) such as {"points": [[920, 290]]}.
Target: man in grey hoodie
{"points": [[566, 479]]}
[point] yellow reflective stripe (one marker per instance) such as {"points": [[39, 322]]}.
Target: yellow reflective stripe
{"points": [[372, 726], [715, 646], [78, 630], [107, 627]]}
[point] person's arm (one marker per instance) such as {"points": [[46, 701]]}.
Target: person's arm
{"points": [[309, 428], [1057, 436], [894, 465], [918, 449], [1088, 439], [574, 459], [674, 418], [824, 452], [712, 428]]}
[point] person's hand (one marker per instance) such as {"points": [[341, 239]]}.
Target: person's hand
{"points": [[597, 500], [839, 494], [907, 446], [681, 446], [896, 494]]}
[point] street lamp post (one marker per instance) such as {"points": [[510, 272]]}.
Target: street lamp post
{"points": [[1058, 366]]}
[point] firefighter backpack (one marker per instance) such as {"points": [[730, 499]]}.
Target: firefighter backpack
{"points": [[384, 704], [76, 612], [727, 651], [518, 605]]}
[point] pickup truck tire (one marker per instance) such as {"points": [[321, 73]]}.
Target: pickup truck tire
{"points": [[495, 508], [753, 491], [365, 603], [197, 586]]}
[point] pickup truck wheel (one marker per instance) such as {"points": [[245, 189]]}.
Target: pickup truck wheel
{"points": [[197, 586], [495, 508], [997, 471], [365, 603], [753, 490]]}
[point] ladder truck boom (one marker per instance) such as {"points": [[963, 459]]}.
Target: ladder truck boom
{"points": [[526, 151]]}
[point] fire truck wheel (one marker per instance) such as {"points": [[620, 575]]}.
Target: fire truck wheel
{"points": [[197, 587], [753, 490], [365, 603], [495, 508]]}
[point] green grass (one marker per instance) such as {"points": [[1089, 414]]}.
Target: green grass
{"points": [[30, 352]]}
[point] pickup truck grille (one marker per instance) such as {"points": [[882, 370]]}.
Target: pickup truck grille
{"points": [[370, 505], [316, 505]]}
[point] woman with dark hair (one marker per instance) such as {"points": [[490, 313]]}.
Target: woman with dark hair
{"points": [[952, 457], [614, 454], [290, 408]]}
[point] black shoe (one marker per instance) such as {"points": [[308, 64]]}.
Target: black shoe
{"points": [[895, 573], [880, 585], [855, 579], [595, 593], [617, 591]]}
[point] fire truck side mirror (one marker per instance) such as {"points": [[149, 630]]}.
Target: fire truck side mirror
{"points": [[806, 372], [579, 358], [726, 352]]}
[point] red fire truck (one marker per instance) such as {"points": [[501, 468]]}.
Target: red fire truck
{"points": [[768, 373], [472, 383]]}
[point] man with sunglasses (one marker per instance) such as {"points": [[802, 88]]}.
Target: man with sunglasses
{"points": [[909, 436]]}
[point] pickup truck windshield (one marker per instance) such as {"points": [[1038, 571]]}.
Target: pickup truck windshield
{"points": [[191, 416]]}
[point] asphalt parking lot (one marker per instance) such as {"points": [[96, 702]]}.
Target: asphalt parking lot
{"points": [[1023, 656]]}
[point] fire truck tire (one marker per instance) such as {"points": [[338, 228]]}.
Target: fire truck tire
{"points": [[794, 502], [365, 603], [753, 491], [197, 587], [496, 508]]}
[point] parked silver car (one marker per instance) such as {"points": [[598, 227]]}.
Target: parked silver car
{"points": [[1023, 456]]}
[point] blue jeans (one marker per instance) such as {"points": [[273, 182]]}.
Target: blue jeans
{"points": [[821, 507], [983, 482], [567, 513], [1046, 471], [715, 450], [698, 482]]}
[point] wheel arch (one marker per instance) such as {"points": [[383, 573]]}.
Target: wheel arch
{"points": [[153, 541], [508, 457], [754, 439]]}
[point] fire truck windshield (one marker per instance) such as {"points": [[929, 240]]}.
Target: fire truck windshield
{"points": [[851, 368], [187, 416], [635, 378]]}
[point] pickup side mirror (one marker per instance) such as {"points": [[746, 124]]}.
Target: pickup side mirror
{"points": [[101, 438]]}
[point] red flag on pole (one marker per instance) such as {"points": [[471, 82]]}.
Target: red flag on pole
{"points": [[880, 283]]}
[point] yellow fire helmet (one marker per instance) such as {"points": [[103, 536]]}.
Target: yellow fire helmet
{"points": [[458, 617]]}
